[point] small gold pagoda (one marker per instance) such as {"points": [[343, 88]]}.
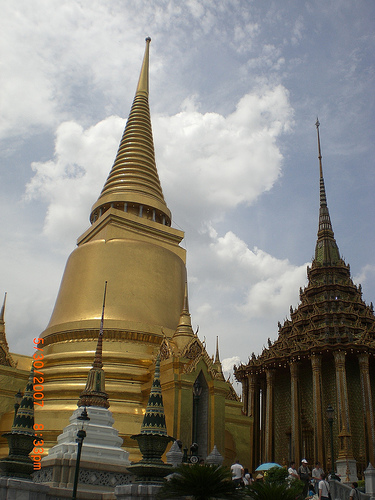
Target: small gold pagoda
{"points": [[324, 355], [132, 246]]}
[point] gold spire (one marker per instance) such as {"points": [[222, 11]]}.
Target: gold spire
{"points": [[217, 357], [326, 250], [184, 331], [5, 357], [94, 393], [3, 309], [143, 77], [133, 184], [217, 362]]}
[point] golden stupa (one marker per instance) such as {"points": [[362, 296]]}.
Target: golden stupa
{"points": [[132, 246]]}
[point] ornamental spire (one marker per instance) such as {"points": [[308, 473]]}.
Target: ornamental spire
{"points": [[184, 331], [3, 309], [5, 356], [217, 357], [94, 393], [133, 184], [24, 420], [326, 250], [154, 419]]}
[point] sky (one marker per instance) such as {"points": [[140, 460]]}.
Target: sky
{"points": [[235, 90]]}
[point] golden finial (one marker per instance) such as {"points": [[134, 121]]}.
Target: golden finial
{"points": [[98, 359], [143, 78], [317, 124], [3, 308], [217, 357]]}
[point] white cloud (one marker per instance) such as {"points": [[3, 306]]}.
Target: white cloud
{"points": [[367, 273], [70, 183], [220, 161]]}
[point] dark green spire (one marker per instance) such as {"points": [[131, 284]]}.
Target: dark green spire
{"points": [[24, 420], [326, 250], [154, 419], [94, 393]]}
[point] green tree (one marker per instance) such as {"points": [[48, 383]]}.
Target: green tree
{"points": [[200, 482], [274, 490], [276, 475]]}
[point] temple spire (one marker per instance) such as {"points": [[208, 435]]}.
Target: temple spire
{"points": [[143, 77], [3, 309], [94, 393], [217, 357], [24, 420], [217, 362], [5, 357], [184, 331], [133, 184], [154, 418], [326, 250], [98, 360]]}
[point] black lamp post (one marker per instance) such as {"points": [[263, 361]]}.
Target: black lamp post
{"points": [[81, 434], [330, 416]]}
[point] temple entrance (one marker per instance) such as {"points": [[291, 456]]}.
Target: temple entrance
{"points": [[200, 415]]}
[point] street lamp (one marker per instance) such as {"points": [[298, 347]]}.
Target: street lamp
{"points": [[81, 434], [330, 416]]}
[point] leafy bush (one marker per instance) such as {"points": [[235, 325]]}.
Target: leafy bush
{"points": [[200, 482], [275, 490], [276, 475]]}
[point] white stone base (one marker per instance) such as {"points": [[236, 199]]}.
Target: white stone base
{"points": [[102, 443], [341, 467], [93, 477], [370, 481], [138, 491]]}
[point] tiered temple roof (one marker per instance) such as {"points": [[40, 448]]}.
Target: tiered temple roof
{"points": [[331, 315]]}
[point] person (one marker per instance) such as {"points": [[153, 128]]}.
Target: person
{"points": [[354, 492], [292, 473], [237, 473], [304, 474], [323, 488], [247, 478], [317, 475], [312, 491]]}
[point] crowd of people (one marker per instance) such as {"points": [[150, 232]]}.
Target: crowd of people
{"points": [[315, 482]]}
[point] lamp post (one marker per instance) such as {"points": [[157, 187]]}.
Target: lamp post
{"points": [[81, 434], [330, 416]]}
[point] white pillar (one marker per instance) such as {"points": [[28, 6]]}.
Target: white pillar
{"points": [[370, 481]]}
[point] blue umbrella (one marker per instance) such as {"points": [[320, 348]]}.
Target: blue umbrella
{"points": [[267, 466]]}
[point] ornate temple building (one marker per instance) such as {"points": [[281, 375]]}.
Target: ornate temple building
{"points": [[324, 355], [14, 374], [132, 246]]}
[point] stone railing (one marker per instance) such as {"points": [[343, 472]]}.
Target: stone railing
{"points": [[340, 491]]}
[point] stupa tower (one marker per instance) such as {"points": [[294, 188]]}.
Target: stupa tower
{"points": [[131, 245]]}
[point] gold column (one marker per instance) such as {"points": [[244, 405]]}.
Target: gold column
{"points": [[367, 405], [263, 389], [316, 364], [295, 414], [345, 448], [253, 413], [270, 377], [245, 395]]}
